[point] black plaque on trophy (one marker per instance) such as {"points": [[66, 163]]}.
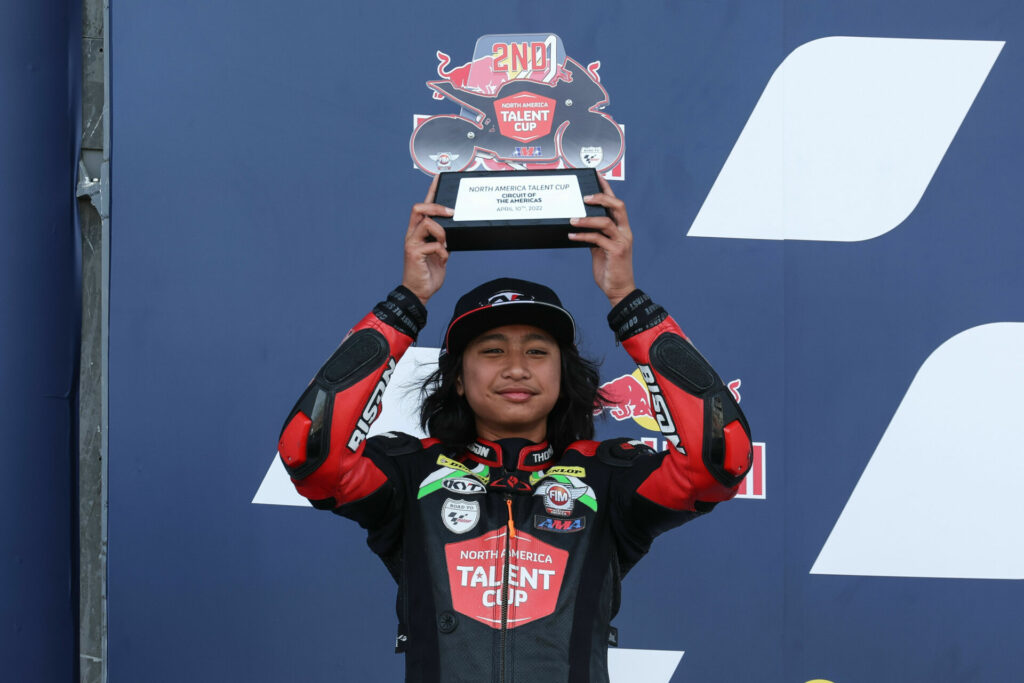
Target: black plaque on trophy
{"points": [[516, 209]]}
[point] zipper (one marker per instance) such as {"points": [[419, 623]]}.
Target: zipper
{"points": [[509, 535]]}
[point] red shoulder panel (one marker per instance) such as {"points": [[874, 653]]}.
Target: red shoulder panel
{"points": [[585, 448], [346, 475]]}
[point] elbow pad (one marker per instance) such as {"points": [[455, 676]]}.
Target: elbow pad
{"points": [[305, 439], [726, 447]]}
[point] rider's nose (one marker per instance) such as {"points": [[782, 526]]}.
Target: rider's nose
{"points": [[516, 367]]}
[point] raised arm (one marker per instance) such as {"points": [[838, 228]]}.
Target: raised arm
{"points": [[709, 449], [323, 441], [324, 436]]}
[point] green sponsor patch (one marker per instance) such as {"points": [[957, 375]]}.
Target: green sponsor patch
{"points": [[587, 498], [429, 486]]}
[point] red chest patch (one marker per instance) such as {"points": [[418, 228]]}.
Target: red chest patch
{"points": [[476, 575]]}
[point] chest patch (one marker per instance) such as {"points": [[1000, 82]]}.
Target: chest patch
{"points": [[460, 516], [559, 497], [560, 525], [481, 580], [452, 469], [464, 486]]}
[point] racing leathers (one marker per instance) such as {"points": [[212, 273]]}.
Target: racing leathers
{"points": [[508, 555]]}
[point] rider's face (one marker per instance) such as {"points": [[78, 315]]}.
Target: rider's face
{"points": [[511, 378]]}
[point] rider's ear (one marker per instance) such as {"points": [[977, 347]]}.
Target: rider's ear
{"points": [[458, 385]]}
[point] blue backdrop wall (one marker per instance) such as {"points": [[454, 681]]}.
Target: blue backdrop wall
{"points": [[825, 195], [39, 326]]}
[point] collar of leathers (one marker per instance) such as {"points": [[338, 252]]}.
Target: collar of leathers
{"points": [[529, 458]]}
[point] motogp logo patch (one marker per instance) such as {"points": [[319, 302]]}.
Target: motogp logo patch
{"points": [[460, 516], [591, 156]]}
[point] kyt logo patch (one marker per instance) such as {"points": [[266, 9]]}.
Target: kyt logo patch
{"points": [[460, 515], [464, 486]]}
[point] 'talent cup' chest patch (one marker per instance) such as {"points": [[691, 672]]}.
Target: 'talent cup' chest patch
{"points": [[476, 570]]}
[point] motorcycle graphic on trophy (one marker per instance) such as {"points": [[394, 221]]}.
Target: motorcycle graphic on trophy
{"points": [[521, 108]]}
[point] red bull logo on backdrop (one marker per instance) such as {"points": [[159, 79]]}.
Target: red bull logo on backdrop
{"points": [[523, 105], [629, 399]]}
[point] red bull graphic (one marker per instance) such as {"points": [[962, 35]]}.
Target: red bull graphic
{"points": [[534, 60], [476, 76], [524, 105], [629, 399]]}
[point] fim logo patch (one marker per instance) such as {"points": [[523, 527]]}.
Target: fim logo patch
{"points": [[559, 498], [562, 526], [460, 516]]}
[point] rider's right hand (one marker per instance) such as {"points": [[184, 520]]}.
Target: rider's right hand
{"points": [[426, 255]]}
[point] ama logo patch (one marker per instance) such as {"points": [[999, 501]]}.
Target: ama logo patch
{"points": [[561, 526]]}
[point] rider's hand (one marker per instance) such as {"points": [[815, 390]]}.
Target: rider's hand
{"points": [[425, 261], [611, 246]]}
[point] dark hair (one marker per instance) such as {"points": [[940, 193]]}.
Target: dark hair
{"points": [[446, 415]]}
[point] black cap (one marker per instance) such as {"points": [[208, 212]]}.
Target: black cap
{"points": [[507, 301]]}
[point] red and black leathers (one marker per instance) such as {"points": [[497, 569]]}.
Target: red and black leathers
{"points": [[508, 556]]}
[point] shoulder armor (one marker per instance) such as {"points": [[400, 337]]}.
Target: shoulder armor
{"points": [[396, 443], [585, 448], [622, 452]]}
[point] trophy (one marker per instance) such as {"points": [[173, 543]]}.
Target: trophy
{"points": [[516, 209]]}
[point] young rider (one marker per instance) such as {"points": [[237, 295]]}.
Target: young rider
{"points": [[509, 529]]}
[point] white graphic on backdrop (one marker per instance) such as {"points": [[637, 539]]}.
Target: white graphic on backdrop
{"points": [[845, 138], [642, 666], [277, 488], [940, 496]]}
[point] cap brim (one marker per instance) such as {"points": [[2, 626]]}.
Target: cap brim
{"points": [[548, 317]]}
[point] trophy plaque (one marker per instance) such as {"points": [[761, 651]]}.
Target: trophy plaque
{"points": [[515, 209]]}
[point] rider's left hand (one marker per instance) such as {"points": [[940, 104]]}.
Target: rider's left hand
{"points": [[611, 245]]}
